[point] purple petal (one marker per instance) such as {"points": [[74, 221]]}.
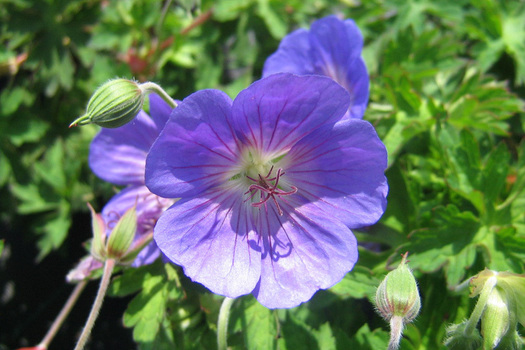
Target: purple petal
{"points": [[292, 56], [210, 236], [336, 44], [274, 113], [119, 155], [341, 171], [195, 149], [331, 48], [357, 82], [307, 250], [159, 110]]}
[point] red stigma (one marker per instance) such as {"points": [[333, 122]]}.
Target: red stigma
{"points": [[267, 190]]}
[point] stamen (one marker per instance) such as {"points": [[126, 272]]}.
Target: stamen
{"points": [[268, 190]]}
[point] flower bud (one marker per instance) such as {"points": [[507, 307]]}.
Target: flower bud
{"points": [[98, 244], [397, 299], [122, 235], [113, 104], [398, 295], [118, 245]]}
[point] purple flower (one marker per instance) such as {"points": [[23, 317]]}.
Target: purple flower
{"points": [[332, 48], [119, 156], [269, 186]]}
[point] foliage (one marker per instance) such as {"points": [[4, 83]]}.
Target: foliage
{"points": [[447, 91]]}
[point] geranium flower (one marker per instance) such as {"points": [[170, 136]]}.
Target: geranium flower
{"points": [[269, 186], [332, 48], [119, 156]]}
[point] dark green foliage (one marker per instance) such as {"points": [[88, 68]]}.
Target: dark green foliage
{"points": [[446, 98]]}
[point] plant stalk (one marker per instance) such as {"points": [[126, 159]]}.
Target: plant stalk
{"points": [[104, 283]]}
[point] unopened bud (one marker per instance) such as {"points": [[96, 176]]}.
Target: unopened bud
{"points": [[398, 295], [118, 245], [113, 104], [98, 244], [397, 299], [122, 235]]}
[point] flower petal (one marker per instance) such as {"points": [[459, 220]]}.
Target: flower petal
{"points": [[341, 170], [119, 155], [195, 149], [292, 56], [331, 48], [211, 237], [336, 44], [306, 250], [274, 113], [159, 110]]}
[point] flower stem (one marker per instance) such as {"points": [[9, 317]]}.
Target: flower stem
{"points": [[104, 283], [152, 87], [396, 331], [480, 305], [44, 344], [222, 324]]}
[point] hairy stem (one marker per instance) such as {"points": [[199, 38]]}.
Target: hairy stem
{"points": [[57, 323], [480, 305], [152, 87], [104, 283]]}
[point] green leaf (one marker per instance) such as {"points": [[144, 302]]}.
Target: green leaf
{"points": [[296, 335], [358, 283], [325, 337], [464, 168], [495, 173], [447, 243], [132, 279], [54, 229], [51, 168], [273, 20], [257, 324], [367, 339]]}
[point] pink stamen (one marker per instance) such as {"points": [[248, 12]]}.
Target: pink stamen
{"points": [[268, 190]]}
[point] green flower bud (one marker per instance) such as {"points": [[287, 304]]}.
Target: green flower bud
{"points": [[122, 235], [119, 244], [495, 321], [98, 244], [397, 299], [398, 295], [113, 104]]}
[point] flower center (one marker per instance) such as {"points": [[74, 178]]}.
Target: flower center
{"points": [[267, 187]]}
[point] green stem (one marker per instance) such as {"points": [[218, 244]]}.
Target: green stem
{"points": [[480, 305], [44, 344], [222, 324], [104, 283], [152, 87]]}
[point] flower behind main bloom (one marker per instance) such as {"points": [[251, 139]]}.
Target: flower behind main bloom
{"points": [[269, 185], [119, 156], [332, 48]]}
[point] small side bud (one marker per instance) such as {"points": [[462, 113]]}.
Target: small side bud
{"points": [[397, 300], [113, 104], [98, 244], [122, 235]]}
